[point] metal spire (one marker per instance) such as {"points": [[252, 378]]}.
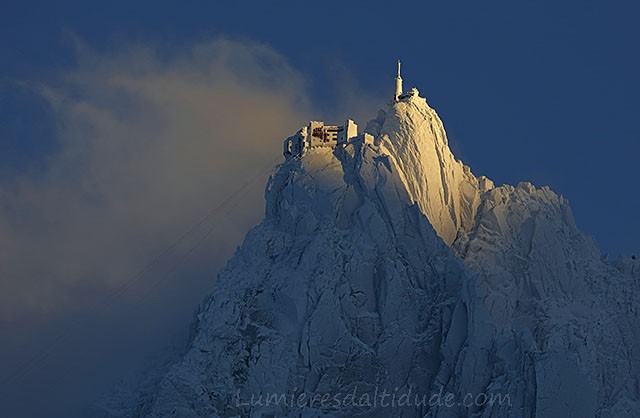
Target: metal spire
{"points": [[398, 84]]}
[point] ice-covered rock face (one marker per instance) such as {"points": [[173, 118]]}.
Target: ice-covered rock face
{"points": [[391, 267], [526, 247], [444, 188], [538, 275], [345, 287]]}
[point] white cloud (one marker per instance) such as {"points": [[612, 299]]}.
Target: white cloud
{"points": [[149, 141]]}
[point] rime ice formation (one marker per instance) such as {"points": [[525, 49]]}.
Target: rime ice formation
{"points": [[383, 263]]}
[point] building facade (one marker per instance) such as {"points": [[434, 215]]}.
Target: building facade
{"points": [[317, 134]]}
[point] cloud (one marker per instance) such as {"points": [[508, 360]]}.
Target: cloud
{"points": [[148, 141]]}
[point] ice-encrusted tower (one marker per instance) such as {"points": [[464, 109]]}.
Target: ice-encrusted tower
{"points": [[398, 84]]}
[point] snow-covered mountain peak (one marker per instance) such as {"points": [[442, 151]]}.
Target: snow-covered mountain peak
{"points": [[409, 133], [443, 187], [383, 263]]}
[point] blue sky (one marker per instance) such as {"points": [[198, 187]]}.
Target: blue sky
{"points": [[122, 123], [529, 90]]}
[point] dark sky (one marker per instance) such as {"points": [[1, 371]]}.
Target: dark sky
{"points": [[540, 91]]}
